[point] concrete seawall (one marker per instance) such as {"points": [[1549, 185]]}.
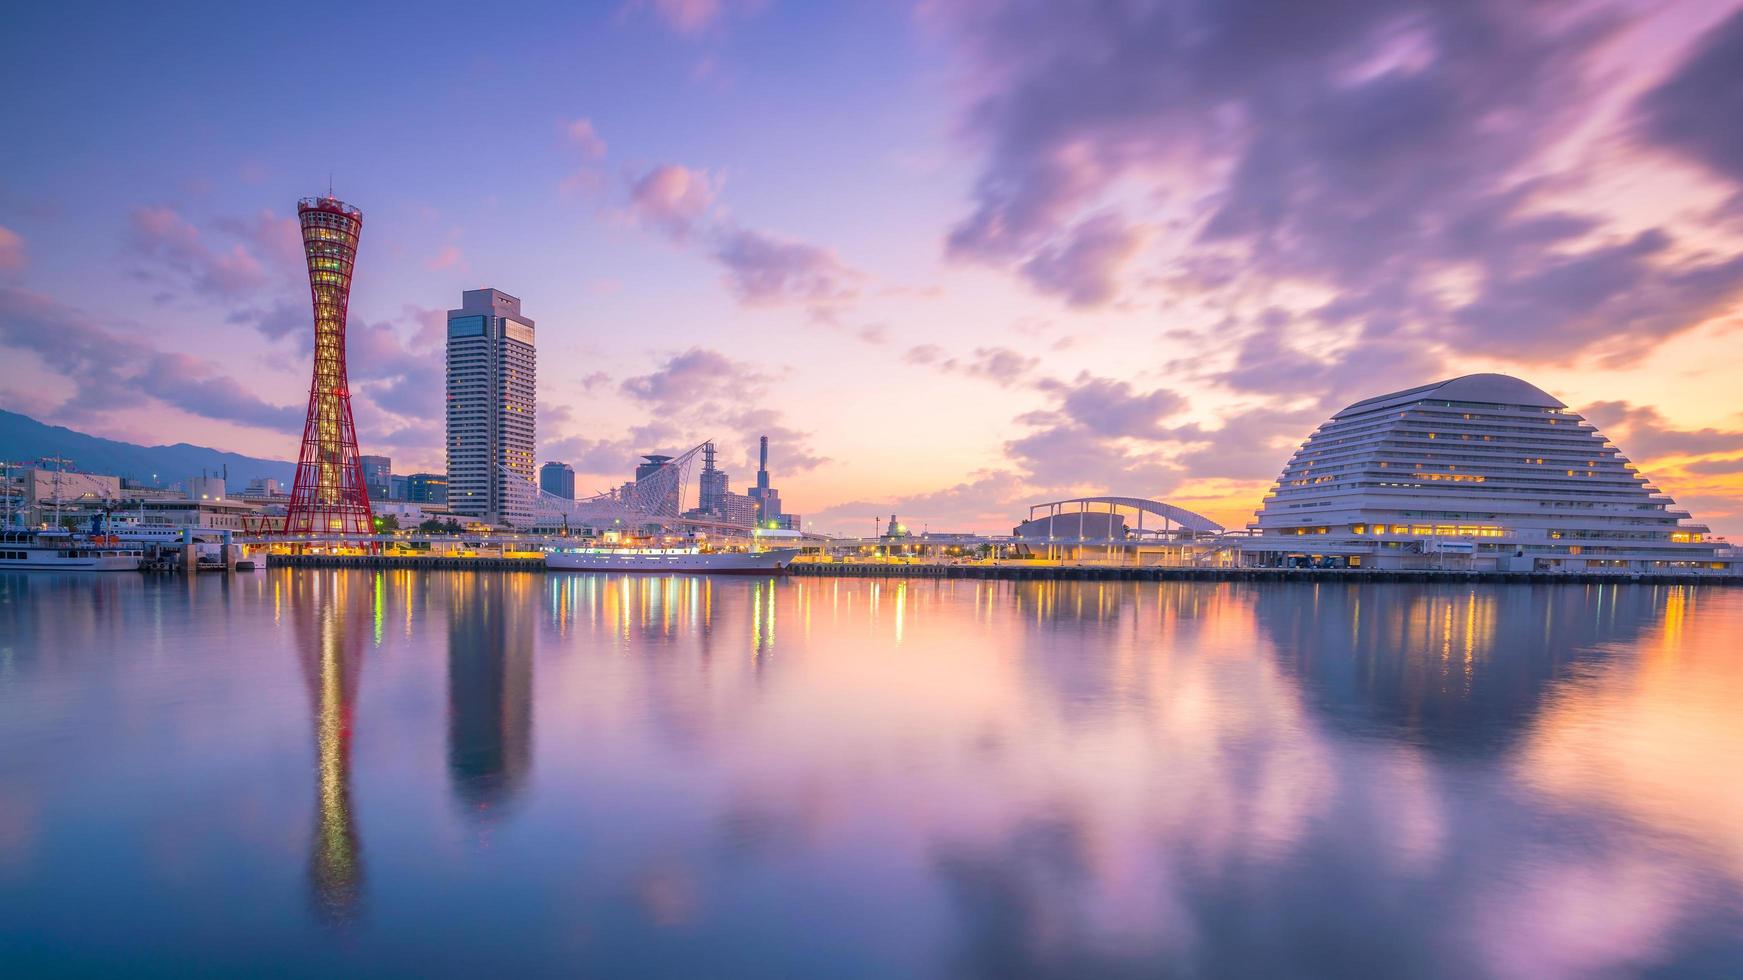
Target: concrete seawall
{"points": [[1095, 573], [478, 564], [1054, 573]]}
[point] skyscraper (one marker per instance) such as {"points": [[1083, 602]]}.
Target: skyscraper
{"points": [[329, 496], [558, 479], [492, 394]]}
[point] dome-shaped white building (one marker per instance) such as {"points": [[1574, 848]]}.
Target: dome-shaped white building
{"points": [[1482, 472]]}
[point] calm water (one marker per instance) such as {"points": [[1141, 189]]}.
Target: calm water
{"points": [[334, 772]]}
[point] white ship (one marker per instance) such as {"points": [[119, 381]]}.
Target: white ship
{"points": [[134, 529], [64, 553], [691, 559]]}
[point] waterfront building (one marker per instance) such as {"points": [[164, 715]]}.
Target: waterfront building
{"points": [[205, 487], [1484, 472], [492, 397], [263, 487], [42, 496], [408, 514], [736, 508], [426, 488], [649, 466], [216, 513], [558, 479], [377, 476]]}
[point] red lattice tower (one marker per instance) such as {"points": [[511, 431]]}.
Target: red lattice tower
{"points": [[329, 496]]}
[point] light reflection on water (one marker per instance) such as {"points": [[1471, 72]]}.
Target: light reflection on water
{"points": [[711, 776]]}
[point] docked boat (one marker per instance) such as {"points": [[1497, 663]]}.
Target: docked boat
{"points": [[682, 559], [63, 552]]}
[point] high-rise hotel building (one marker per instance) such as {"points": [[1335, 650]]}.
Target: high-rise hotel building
{"points": [[1484, 472], [492, 395]]}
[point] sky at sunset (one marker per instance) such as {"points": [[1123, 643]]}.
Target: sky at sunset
{"points": [[952, 257]]}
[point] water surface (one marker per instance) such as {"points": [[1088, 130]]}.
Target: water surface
{"points": [[328, 773]]}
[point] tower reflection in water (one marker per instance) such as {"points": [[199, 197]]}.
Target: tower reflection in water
{"points": [[330, 642], [490, 689]]}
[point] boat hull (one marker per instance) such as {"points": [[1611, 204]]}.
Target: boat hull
{"points": [[716, 563]]}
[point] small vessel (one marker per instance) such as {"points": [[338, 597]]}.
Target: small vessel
{"points": [[681, 559], [62, 552], [133, 529]]}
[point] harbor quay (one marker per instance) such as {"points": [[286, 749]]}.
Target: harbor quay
{"points": [[1018, 570], [1021, 571]]}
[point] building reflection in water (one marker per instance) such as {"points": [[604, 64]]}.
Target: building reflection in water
{"points": [[490, 689], [1454, 669], [1252, 747], [330, 643], [762, 621], [631, 608]]}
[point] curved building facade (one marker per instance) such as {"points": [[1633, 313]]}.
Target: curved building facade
{"points": [[1482, 472]]}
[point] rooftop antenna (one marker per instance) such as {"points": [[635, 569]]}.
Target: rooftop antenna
{"points": [[329, 185]]}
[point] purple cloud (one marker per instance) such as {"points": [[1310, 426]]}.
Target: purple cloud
{"points": [[789, 449], [585, 138], [694, 395], [1643, 433], [686, 16], [763, 270], [1000, 365], [278, 238], [613, 459], [693, 377], [1695, 110], [923, 354], [1626, 297], [1247, 445], [1084, 268], [1370, 148], [1062, 458], [1268, 363], [1717, 467], [113, 370], [671, 199], [1102, 435], [11, 250], [282, 318], [163, 235], [1110, 408]]}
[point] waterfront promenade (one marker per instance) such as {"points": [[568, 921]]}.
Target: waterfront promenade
{"points": [[1027, 571]]}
